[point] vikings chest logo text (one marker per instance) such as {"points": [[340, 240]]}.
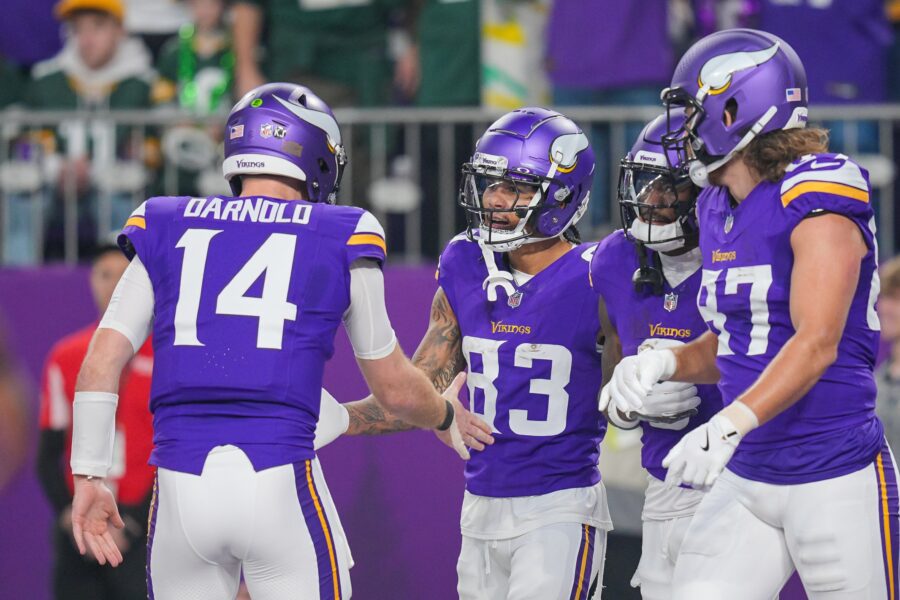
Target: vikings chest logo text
{"points": [[719, 256], [501, 327], [660, 330]]}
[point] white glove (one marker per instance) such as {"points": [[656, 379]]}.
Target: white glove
{"points": [[670, 399], [634, 378], [701, 455], [333, 421]]}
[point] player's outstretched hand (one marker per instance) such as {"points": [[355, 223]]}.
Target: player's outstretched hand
{"points": [[701, 455], [93, 510], [634, 378], [467, 429]]}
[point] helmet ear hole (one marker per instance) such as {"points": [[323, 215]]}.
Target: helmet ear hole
{"points": [[729, 115], [323, 166], [301, 100]]}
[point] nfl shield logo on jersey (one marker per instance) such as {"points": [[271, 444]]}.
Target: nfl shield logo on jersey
{"points": [[670, 302], [729, 223], [266, 130], [515, 300]]}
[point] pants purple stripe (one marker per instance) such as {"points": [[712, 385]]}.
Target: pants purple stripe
{"points": [[318, 534], [151, 531], [889, 538], [582, 583]]}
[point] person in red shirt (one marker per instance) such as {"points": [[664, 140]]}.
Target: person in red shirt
{"points": [[131, 478]]}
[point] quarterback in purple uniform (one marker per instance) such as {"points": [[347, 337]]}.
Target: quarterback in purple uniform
{"points": [[648, 275], [787, 234], [514, 309], [244, 295]]}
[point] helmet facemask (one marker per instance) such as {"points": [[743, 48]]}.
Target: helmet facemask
{"points": [[657, 205], [501, 205]]}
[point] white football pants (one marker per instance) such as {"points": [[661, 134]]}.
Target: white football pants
{"points": [[840, 534], [279, 524], [561, 561]]}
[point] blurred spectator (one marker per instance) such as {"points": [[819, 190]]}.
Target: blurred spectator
{"points": [[196, 68], [596, 58], [155, 21], [887, 376], [13, 417], [844, 45], [12, 84], [442, 65], [336, 47], [99, 68], [131, 478]]}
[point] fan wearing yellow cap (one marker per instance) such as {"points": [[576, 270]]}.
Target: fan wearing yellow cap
{"points": [[99, 68]]}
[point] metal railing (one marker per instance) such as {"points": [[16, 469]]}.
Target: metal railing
{"points": [[404, 166]]}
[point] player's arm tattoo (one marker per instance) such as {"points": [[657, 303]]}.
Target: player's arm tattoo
{"points": [[439, 356]]}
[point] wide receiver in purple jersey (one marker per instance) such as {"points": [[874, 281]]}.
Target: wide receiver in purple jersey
{"points": [[648, 275], [244, 295], [787, 234], [515, 309]]}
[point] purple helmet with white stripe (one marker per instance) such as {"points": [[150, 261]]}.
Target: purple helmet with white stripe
{"points": [[286, 130], [735, 85], [540, 155]]}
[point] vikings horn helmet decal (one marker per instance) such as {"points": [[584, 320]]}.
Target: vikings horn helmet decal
{"points": [[717, 73]]}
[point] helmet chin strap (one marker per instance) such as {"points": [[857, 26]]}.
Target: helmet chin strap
{"points": [[496, 278], [700, 173]]}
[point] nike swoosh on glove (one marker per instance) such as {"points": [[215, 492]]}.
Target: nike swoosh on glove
{"points": [[701, 455]]}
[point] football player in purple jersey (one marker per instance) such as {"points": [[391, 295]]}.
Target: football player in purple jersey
{"points": [[244, 295], [787, 236], [514, 309], [647, 276]]}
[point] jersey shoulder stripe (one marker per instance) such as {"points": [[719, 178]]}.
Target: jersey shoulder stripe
{"points": [[833, 174]]}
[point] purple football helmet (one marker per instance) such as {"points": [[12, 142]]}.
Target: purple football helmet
{"points": [[656, 196], [754, 76], [538, 156], [285, 129]]}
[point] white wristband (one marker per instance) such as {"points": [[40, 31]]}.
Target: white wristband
{"points": [[93, 432], [741, 416]]}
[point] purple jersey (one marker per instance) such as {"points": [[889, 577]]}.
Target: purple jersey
{"points": [[641, 316], [248, 295], [533, 373], [747, 262]]}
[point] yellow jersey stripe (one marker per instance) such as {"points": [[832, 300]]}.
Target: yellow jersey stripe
{"points": [[889, 552], [359, 239], [136, 222], [584, 555], [838, 189], [335, 576]]}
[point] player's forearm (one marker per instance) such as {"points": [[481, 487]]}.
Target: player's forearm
{"points": [[368, 417], [790, 375], [107, 355], [696, 361], [246, 29]]}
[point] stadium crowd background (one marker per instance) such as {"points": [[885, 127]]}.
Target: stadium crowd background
{"points": [[105, 103]]}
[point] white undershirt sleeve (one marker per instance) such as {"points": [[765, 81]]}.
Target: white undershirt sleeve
{"points": [[130, 310], [366, 321]]}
